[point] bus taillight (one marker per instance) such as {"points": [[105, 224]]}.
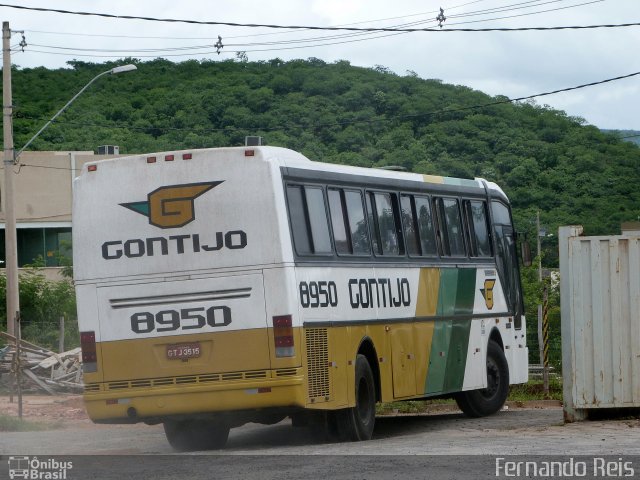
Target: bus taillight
{"points": [[89, 352], [283, 336]]}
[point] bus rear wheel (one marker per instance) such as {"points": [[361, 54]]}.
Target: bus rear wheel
{"points": [[192, 435], [478, 403], [355, 424]]}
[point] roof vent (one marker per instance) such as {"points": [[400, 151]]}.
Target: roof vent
{"points": [[108, 150], [253, 141], [393, 168]]}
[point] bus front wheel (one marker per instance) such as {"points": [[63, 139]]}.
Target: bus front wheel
{"points": [[192, 435], [478, 403], [354, 424]]}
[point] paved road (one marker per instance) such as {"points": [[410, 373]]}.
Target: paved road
{"points": [[402, 447]]}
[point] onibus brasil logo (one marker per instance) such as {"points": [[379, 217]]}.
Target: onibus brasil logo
{"points": [[171, 206], [34, 468]]}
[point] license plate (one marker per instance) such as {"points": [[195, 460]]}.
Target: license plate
{"points": [[183, 350]]}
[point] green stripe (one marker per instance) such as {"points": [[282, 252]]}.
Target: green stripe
{"points": [[438, 363], [448, 292], [466, 290], [451, 337], [457, 356]]}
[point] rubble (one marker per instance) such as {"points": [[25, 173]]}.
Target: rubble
{"points": [[40, 369]]}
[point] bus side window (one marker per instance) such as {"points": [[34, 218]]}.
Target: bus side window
{"points": [[450, 227], [349, 224], [410, 225], [418, 226], [441, 241], [425, 226], [308, 220], [357, 223], [476, 216], [384, 228], [338, 222]]}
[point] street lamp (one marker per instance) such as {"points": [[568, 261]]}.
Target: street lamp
{"points": [[113, 71], [11, 252]]}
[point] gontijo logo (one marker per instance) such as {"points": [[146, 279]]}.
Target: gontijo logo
{"points": [[171, 206]]}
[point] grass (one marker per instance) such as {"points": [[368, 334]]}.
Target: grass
{"points": [[534, 390], [16, 424], [412, 406]]}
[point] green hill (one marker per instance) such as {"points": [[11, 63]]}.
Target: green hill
{"points": [[632, 136], [573, 173]]}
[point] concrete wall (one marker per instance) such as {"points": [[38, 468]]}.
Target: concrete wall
{"points": [[43, 185]]}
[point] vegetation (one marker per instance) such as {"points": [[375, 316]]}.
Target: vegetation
{"points": [[571, 172], [545, 160], [42, 303], [534, 390]]}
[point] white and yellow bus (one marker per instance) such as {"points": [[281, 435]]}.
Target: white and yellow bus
{"points": [[223, 286]]}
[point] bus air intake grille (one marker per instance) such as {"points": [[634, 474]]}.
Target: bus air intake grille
{"points": [[140, 383], [118, 385], [286, 372], [184, 380], [317, 362], [92, 387]]}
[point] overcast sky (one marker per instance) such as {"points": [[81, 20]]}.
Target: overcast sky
{"points": [[513, 64]]}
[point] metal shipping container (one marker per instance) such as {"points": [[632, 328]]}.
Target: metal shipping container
{"points": [[600, 305]]}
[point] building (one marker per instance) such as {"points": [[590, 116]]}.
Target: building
{"points": [[43, 198]]}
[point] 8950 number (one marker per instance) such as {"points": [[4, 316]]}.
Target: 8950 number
{"points": [[184, 319], [318, 294]]}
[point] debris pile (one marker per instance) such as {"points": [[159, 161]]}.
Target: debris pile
{"points": [[40, 369]]}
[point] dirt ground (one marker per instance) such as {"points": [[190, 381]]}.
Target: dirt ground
{"points": [[67, 411], [62, 411]]}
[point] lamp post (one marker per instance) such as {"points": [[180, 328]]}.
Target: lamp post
{"points": [[13, 298], [113, 71]]}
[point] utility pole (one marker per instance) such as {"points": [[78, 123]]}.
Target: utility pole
{"points": [[10, 238], [540, 336], [539, 245]]}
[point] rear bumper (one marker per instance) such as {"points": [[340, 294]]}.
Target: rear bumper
{"points": [[133, 405]]}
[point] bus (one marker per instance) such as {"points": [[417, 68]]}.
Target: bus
{"points": [[218, 287]]}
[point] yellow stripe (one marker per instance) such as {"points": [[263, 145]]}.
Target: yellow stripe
{"points": [[426, 306], [432, 179], [428, 287]]}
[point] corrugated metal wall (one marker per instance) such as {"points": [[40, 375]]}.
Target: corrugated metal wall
{"points": [[600, 302]]}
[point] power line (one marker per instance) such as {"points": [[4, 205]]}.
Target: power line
{"points": [[242, 47], [308, 27], [516, 6], [239, 36]]}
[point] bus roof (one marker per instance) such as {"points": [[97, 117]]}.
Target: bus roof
{"points": [[291, 159]]}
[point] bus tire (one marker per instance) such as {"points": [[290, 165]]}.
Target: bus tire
{"points": [[478, 403], [356, 424], [192, 435]]}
